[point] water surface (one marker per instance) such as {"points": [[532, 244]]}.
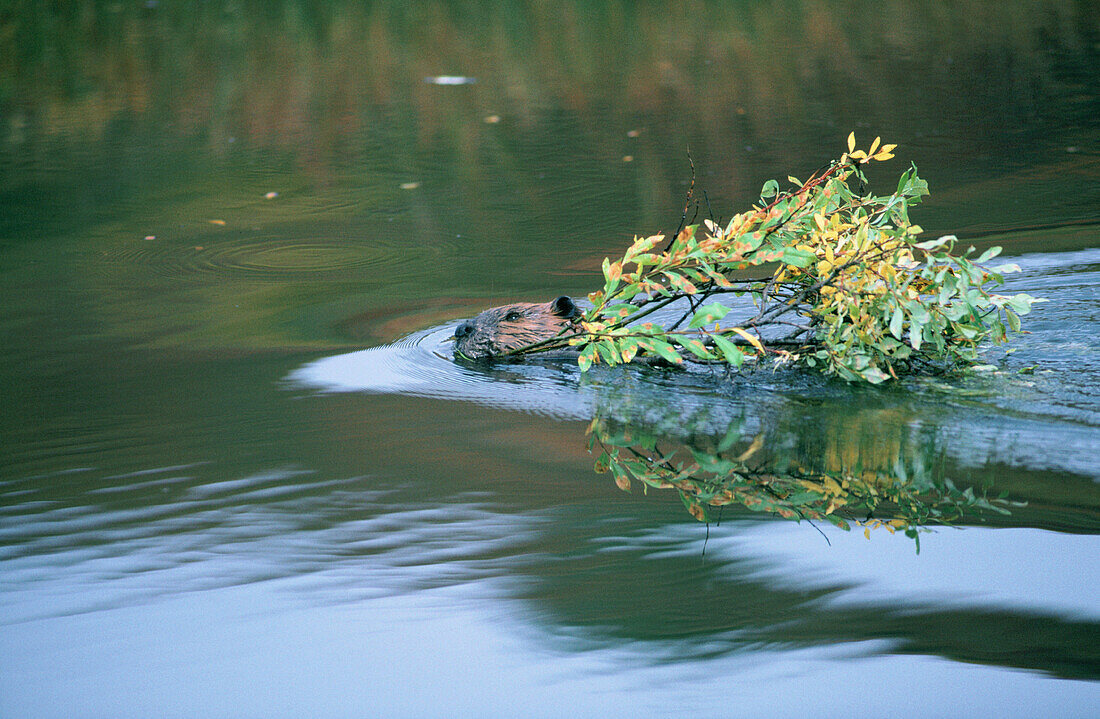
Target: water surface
{"points": [[241, 476]]}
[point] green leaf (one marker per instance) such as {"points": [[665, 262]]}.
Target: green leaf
{"points": [[918, 314], [916, 335], [903, 182], [642, 246], [628, 348], [938, 242], [770, 189], [896, 322], [608, 352], [730, 351], [989, 254], [694, 346], [603, 463], [797, 257], [1021, 303], [610, 284], [915, 189], [707, 314], [966, 331], [587, 357], [678, 281], [663, 349], [646, 259]]}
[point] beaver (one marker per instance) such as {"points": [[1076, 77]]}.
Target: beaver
{"points": [[509, 327]]}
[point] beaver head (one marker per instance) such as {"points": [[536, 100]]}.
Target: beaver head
{"points": [[509, 327]]}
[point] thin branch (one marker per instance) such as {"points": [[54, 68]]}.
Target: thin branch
{"points": [[687, 203]]}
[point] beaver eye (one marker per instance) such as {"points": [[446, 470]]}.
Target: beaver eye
{"points": [[512, 316]]}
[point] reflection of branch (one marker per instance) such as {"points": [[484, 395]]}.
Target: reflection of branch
{"points": [[869, 499]]}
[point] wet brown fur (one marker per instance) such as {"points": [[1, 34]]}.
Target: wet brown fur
{"points": [[510, 327]]}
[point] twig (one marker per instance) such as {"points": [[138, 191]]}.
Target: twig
{"points": [[687, 203]]}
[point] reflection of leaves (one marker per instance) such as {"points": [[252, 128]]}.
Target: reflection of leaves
{"points": [[904, 496]]}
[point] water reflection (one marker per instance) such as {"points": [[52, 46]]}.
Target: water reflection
{"points": [[198, 200], [875, 485], [577, 584], [769, 586]]}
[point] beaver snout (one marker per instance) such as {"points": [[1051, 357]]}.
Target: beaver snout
{"points": [[464, 330]]}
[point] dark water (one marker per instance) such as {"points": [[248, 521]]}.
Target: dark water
{"points": [[240, 476]]}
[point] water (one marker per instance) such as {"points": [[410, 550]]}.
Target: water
{"points": [[240, 475]]}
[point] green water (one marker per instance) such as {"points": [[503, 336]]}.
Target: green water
{"points": [[213, 502]]}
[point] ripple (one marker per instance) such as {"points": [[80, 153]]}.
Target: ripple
{"points": [[260, 257], [216, 531], [421, 365]]}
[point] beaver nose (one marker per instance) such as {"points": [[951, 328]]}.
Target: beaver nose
{"points": [[464, 330]]}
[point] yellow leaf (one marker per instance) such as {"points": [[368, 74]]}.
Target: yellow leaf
{"points": [[867, 532], [851, 142], [874, 146], [751, 340]]}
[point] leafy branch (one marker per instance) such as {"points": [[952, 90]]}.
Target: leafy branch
{"points": [[846, 287]]}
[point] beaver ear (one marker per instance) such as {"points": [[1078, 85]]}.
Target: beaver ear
{"points": [[564, 307]]}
